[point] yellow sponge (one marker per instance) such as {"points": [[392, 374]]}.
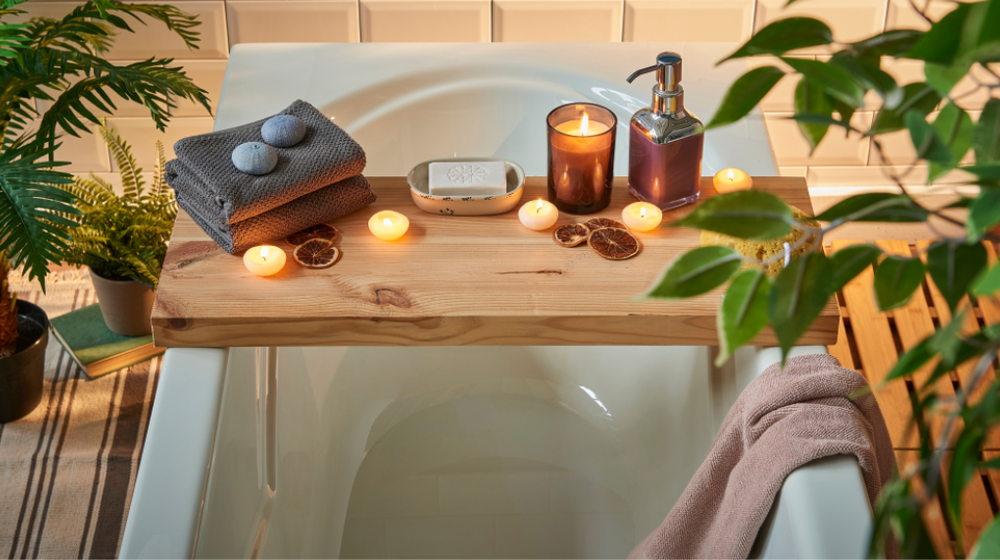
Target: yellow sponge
{"points": [[765, 249]]}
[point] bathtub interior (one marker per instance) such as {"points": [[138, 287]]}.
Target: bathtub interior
{"points": [[499, 452], [484, 452]]}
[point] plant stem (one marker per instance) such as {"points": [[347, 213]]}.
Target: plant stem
{"points": [[932, 482]]}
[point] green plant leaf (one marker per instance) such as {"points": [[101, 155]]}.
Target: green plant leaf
{"points": [[985, 171], [988, 545], [32, 206], [811, 99], [954, 349], [745, 93], [846, 112], [911, 360], [941, 42], [986, 139], [785, 35], [953, 267], [943, 77], [947, 340], [983, 214], [743, 313], [917, 96], [964, 457], [696, 272], [851, 261], [896, 278], [835, 81], [889, 43], [872, 77], [797, 297], [743, 214], [925, 140], [875, 207], [989, 283], [954, 126]]}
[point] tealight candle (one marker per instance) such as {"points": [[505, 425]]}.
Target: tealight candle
{"points": [[388, 225], [730, 180], [642, 216], [538, 215], [264, 260]]}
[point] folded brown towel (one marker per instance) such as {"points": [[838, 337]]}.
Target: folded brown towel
{"points": [[781, 421], [326, 155], [324, 205]]}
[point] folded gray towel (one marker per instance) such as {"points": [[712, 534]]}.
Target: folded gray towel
{"points": [[326, 204], [326, 155]]}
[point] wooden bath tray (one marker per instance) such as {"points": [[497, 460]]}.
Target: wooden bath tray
{"points": [[450, 281]]}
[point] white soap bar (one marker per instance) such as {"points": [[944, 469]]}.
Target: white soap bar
{"points": [[467, 178]]}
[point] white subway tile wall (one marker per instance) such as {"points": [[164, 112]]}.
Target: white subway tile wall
{"points": [[839, 162]]}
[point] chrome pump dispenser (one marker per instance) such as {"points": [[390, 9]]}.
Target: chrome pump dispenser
{"points": [[665, 141]]}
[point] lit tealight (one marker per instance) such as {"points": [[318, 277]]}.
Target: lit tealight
{"points": [[730, 180], [642, 216], [388, 225], [264, 260], [538, 215]]}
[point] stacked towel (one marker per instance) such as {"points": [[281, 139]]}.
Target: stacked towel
{"points": [[315, 181]]}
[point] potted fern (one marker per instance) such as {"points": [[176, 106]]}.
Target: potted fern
{"points": [[123, 239], [60, 60]]}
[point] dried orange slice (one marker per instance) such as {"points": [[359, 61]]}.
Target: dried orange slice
{"points": [[570, 235], [320, 231], [596, 223], [316, 253], [613, 243]]}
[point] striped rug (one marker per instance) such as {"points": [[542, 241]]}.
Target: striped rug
{"points": [[68, 468]]}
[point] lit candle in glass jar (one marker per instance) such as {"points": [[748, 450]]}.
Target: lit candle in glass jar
{"points": [[538, 215], [581, 157], [264, 260], [388, 225], [729, 180], [642, 216]]}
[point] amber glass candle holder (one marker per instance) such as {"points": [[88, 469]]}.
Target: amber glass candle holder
{"points": [[581, 157]]}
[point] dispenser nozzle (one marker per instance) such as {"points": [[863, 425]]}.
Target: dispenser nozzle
{"points": [[667, 91], [668, 67], [642, 71]]}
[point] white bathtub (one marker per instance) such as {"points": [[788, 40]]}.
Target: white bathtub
{"points": [[486, 452]]}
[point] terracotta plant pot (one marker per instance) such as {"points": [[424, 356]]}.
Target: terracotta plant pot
{"points": [[125, 304], [22, 373]]}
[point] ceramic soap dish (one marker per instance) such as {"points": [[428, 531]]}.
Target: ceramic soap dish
{"points": [[465, 205]]}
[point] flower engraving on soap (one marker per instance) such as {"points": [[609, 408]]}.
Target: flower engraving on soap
{"points": [[467, 174]]}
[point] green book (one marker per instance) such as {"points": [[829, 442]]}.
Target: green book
{"points": [[94, 347]]}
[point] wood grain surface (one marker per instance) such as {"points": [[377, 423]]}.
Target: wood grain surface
{"points": [[450, 280]]}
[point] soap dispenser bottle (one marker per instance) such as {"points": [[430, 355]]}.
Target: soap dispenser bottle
{"points": [[665, 141]]}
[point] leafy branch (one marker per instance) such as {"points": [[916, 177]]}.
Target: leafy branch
{"points": [[828, 94]]}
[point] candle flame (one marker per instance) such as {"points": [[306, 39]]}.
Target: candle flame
{"points": [[642, 212], [731, 175], [584, 124], [538, 207], [387, 221], [263, 252]]}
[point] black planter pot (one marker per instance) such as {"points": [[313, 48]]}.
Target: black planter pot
{"points": [[22, 373]]}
